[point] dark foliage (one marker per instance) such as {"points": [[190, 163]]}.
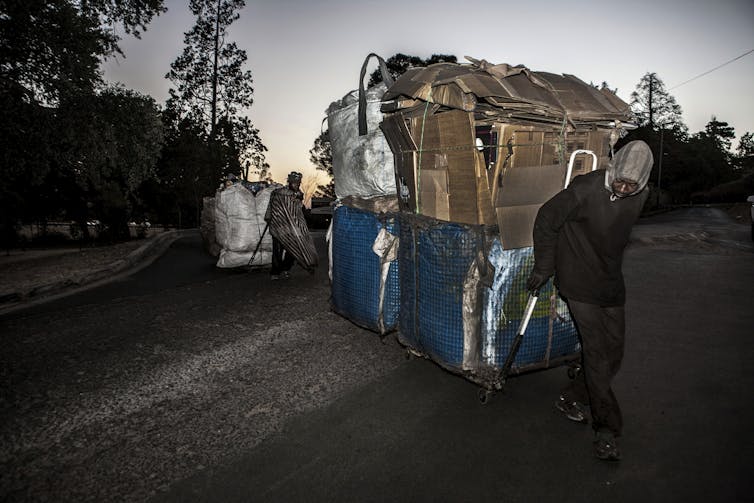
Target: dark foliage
{"points": [[399, 63], [208, 138], [321, 156], [70, 146]]}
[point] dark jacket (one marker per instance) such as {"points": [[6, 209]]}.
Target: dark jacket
{"points": [[580, 235]]}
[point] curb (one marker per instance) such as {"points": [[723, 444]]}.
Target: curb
{"points": [[138, 259]]}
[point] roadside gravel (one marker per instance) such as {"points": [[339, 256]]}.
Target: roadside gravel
{"points": [[118, 403], [33, 275]]}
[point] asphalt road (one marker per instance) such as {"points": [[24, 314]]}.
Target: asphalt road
{"points": [[187, 383]]}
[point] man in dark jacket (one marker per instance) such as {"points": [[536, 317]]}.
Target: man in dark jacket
{"points": [[580, 236]]}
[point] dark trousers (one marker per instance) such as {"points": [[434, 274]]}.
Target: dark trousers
{"points": [[282, 261], [602, 332]]}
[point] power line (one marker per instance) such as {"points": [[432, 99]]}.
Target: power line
{"points": [[710, 71]]}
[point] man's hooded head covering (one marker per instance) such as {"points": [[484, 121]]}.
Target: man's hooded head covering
{"points": [[633, 163]]}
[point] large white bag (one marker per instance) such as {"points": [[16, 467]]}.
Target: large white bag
{"points": [[240, 226], [362, 161]]}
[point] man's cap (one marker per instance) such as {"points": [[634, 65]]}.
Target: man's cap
{"points": [[295, 176]]}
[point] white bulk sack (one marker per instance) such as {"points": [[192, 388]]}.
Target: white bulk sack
{"points": [[240, 226], [363, 163]]}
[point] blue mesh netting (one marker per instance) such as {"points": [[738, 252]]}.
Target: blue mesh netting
{"points": [[407, 272], [434, 261], [504, 306], [356, 269], [444, 254]]}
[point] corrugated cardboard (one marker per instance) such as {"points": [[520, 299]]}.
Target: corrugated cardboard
{"points": [[434, 200], [485, 211], [524, 190], [448, 138], [404, 153], [435, 205], [516, 224], [539, 119], [434, 180], [511, 92]]}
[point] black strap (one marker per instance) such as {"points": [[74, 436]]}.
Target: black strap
{"points": [[386, 77]]}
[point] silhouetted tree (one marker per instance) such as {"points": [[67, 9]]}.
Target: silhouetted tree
{"points": [[253, 154], [109, 145], [745, 154], [720, 133], [654, 106], [714, 144], [397, 65], [321, 156], [746, 145], [50, 52], [49, 47], [183, 178], [212, 91]]}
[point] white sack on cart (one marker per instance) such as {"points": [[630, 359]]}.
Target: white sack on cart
{"points": [[363, 165], [239, 226]]}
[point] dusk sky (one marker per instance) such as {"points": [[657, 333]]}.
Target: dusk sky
{"points": [[305, 54]]}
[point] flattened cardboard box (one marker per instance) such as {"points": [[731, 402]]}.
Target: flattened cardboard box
{"points": [[434, 200], [404, 150], [446, 141], [524, 191]]}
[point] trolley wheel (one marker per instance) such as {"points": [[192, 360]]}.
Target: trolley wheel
{"points": [[485, 395], [574, 370]]}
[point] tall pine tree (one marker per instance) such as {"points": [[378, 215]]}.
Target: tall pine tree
{"points": [[654, 106], [212, 88]]}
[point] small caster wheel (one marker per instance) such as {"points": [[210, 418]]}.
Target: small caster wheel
{"points": [[484, 395], [573, 371]]}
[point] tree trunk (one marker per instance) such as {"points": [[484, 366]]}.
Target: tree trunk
{"points": [[214, 72], [651, 103]]}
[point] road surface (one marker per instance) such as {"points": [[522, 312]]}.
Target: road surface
{"points": [[193, 384]]}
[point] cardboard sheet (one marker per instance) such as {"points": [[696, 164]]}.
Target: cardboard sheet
{"points": [[524, 190], [513, 92], [434, 200], [539, 118], [404, 150], [516, 224]]}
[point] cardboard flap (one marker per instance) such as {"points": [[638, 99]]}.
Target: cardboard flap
{"points": [[531, 185], [516, 224], [401, 144], [434, 180], [523, 193]]}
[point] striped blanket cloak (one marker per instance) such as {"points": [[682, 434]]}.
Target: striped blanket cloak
{"points": [[287, 224]]}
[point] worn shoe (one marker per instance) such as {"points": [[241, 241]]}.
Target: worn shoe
{"points": [[274, 277], [575, 411], [606, 447]]}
